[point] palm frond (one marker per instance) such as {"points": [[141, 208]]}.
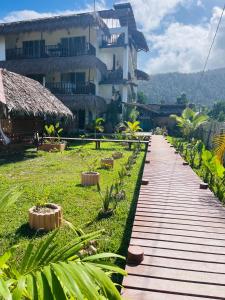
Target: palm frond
{"points": [[219, 146]]}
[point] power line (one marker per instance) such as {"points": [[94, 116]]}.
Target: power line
{"points": [[210, 50]]}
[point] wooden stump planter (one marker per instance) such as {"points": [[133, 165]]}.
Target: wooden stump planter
{"points": [[107, 163], [117, 155], [52, 147], [90, 178], [46, 218]]}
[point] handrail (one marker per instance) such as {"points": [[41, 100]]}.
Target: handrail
{"points": [[96, 140]]}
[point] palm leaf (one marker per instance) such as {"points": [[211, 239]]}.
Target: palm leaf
{"points": [[219, 145]]}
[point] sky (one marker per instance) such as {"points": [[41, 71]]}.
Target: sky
{"points": [[179, 32]]}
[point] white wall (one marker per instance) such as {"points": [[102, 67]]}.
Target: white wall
{"points": [[50, 37], [2, 48]]}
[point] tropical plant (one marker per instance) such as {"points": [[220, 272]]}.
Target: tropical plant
{"points": [[132, 128], [218, 111], [189, 121], [107, 199], [51, 271], [219, 143], [54, 131], [98, 125]]}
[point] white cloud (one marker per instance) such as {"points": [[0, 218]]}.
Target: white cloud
{"points": [[150, 13], [183, 48], [20, 15]]}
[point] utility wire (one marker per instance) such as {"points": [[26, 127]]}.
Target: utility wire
{"points": [[210, 50]]}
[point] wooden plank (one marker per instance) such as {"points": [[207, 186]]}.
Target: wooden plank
{"points": [[179, 232], [177, 274], [178, 245], [185, 264], [135, 294], [177, 226], [180, 221], [174, 286], [179, 239], [183, 217], [181, 212]]}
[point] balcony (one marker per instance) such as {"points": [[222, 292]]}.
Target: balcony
{"points": [[50, 51], [68, 88], [115, 40]]}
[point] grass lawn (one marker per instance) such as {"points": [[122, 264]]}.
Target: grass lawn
{"points": [[55, 177]]}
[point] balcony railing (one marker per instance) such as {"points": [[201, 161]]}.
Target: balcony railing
{"points": [[50, 51], [68, 88], [115, 40]]}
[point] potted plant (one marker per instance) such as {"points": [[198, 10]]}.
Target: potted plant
{"points": [[55, 143], [45, 216], [107, 199], [107, 163], [90, 177], [117, 155]]}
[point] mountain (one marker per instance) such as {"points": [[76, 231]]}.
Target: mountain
{"points": [[167, 87]]}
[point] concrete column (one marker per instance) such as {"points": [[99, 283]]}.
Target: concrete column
{"points": [[2, 48], [125, 62], [125, 93], [44, 81]]}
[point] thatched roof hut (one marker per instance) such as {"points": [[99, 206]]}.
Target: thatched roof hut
{"points": [[22, 96]]}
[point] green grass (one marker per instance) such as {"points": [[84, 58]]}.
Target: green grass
{"points": [[55, 177]]}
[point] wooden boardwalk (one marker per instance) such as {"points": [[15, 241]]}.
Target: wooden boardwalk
{"points": [[182, 231]]}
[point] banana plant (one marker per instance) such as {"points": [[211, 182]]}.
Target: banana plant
{"points": [[189, 121], [55, 272], [54, 131]]}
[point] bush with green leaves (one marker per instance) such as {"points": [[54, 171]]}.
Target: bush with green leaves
{"points": [[204, 162]]}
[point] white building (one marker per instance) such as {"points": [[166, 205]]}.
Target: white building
{"points": [[87, 60]]}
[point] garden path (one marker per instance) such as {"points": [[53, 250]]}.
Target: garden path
{"points": [[181, 229]]}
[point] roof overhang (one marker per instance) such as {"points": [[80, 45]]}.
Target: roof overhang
{"points": [[141, 75], [53, 64]]}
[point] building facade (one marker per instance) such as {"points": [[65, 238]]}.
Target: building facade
{"points": [[87, 60]]}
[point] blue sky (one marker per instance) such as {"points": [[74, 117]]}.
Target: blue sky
{"points": [[179, 32]]}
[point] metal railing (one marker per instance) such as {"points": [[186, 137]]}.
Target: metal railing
{"points": [[68, 88], [115, 40], [50, 51]]}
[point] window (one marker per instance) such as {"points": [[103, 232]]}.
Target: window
{"points": [[34, 48], [76, 77], [73, 46]]}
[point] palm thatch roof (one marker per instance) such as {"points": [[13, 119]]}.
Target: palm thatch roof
{"points": [[24, 96], [52, 23], [53, 64], [82, 102]]}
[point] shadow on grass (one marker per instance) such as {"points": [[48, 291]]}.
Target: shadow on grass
{"points": [[13, 156], [128, 227], [25, 231]]}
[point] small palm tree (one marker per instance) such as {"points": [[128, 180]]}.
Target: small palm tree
{"points": [[189, 121], [132, 128], [55, 272], [219, 143]]}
